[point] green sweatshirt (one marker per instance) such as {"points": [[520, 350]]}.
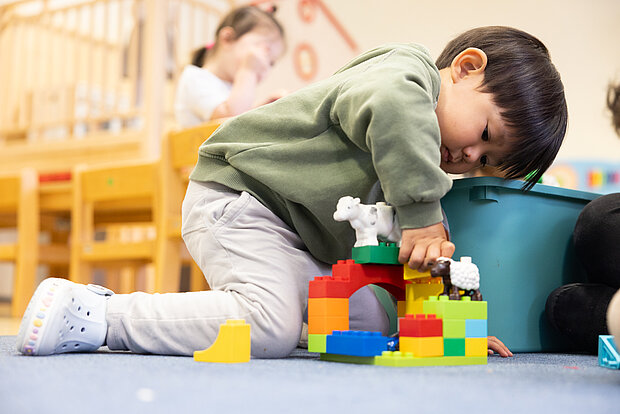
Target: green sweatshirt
{"points": [[373, 120]]}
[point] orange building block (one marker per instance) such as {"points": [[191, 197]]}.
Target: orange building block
{"points": [[328, 307], [327, 324]]}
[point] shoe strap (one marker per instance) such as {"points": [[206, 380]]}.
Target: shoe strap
{"points": [[100, 290]]}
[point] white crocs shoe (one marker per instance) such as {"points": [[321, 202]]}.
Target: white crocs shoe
{"points": [[63, 316]]}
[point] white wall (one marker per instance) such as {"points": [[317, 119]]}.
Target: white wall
{"points": [[582, 36]]}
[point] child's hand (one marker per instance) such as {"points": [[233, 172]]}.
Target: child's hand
{"points": [[257, 60], [275, 96], [422, 247], [498, 346]]}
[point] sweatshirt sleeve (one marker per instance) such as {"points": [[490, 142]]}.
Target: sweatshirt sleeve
{"points": [[389, 111]]}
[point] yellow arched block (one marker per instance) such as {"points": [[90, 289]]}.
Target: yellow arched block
{"points": [[231, 345], [417, 293]]}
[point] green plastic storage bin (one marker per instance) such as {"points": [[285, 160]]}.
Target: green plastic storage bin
{"points": [[522, 244]]}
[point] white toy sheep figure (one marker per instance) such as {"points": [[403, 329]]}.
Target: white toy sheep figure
{"points": [[458, 275], [368, 221]]}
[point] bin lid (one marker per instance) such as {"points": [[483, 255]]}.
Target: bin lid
{"points": [[460, 183]]}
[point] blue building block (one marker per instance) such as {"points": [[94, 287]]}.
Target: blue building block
{"points": [[607, 352], [357, 343], [475, 328]]}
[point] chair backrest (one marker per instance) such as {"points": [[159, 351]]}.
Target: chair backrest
{"points": [[130, 181], [184, 144]]}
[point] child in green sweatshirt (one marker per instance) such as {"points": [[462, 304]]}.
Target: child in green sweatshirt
{"points": [[389, 126]]}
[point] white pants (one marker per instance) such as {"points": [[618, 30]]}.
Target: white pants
{"points": [[258, 270]]}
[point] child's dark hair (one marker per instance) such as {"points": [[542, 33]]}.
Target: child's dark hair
{"points": [[613, 103], [242, 20], [528, 90]]}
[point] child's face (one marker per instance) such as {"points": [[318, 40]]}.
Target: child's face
{"points": [[473, 132], [263, 41]]}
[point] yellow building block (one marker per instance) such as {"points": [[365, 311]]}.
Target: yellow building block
{"points": [[232, 344], [431, 346], [328, 307], [417, 293], [401, 308], [476, 346], [410, 274], [327, 324]]}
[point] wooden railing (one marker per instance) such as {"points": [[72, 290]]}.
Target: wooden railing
{"points": [[93, 81]]}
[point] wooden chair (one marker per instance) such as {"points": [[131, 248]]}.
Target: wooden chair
{"points": [[180, 149], [19, 210], [140, 197], [55, 217], [128, 194]]}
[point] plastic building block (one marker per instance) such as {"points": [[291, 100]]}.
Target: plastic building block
{"points": [[411, 274], [400, 359], [420, 325], [419, 290], [348, 359], [357, 343], [476, 328], [456, 328], [317, 343], [384, 253], [454, 346], [608, 355], [327, 324], [404, 359], [431, 346], [328, 307], [401, 308], [348, 276], [465, 308], [393, 343], [232, 344], [475, 346]]}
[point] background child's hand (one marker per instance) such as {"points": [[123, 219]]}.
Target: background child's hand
{"points": [[275, 96], [498, 346], [256, 60], [423, 246]]}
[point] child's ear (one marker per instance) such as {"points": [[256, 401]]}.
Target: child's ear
{"points": [[471, 61], [227, 34]]}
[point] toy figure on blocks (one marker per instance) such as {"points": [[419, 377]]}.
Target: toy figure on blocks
{"points": [[438, 325]]}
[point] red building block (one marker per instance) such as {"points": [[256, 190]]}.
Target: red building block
{"points": [[348, 276], [420, 325]]}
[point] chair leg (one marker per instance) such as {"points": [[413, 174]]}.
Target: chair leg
{"points": [[127, 278], [197, 281], [27, 243], [167, 266]]}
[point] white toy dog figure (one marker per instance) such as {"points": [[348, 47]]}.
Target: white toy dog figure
{"points": [[368, 221]]}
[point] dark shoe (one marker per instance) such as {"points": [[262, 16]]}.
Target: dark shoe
{"points": [[578, 312]]}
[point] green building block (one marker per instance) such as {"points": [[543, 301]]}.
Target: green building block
{"points": [[317, 343], [454, 346], [384, 253], [399, 359], [455, 309], [349, 359], [454, 328]]}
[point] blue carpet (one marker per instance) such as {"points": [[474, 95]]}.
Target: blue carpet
{"points": [[112, 382]]}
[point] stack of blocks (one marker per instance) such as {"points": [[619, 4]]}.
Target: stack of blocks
{"points": [[432, 330]]}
